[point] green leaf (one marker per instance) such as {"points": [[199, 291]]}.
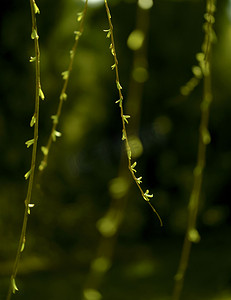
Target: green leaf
{"points": [[41, 95], [29, 143], [125, 117], [133, 166], [119, 87], [55, 134], [77, 34], [65, 75], [32, 59], [113, 66], [36, 9], [63, 97], [27, 175], [30, 205], [14, 286], [34, 34], [79, 16], [123, 135], [55, 119], [197, 71], [146, 195], [32, 122], [108, 32], [139, 180], [23, 244], [44, 150]]}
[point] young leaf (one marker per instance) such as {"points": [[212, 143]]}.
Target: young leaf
{"points": [[77, 34], [65, 75], [125, 117], [30, 205], [123, 135], [63, 97], [119, 87], [108, 32], [133, 166], [79, 16], [139, 180], [29, 143], [44, 150], [55, 119], [36, 9], [23, 244], [33, 120], [41, 95], [32, 59], [55, 134], [27, 175], [34, 34], [14, 286], [146, 195]]}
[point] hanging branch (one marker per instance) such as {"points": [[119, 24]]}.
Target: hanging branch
{"points": [[124, 118], [34, 123], [192, 235], [63, 96]]}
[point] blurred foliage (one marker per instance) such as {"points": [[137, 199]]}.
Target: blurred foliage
{"points": [[74, 191]]}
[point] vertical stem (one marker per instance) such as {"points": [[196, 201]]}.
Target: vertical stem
{"points": [[34, 35], [63, 94], [192, 234], [115, 214]]}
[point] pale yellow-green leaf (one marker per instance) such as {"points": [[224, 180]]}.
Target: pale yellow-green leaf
{"points": [[44, 150], [63, 97], [126, 117], [79, 16], [14, 286], [32, 122], [34, 34], [113, 66], [139, 180], [29, 143], [77, 34], [65, 75], [119, 87], [32, 59], [41, 94], [55, 119], [27, 175]]}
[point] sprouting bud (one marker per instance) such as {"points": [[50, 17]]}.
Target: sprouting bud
{"points": [[34, 34], [79, 16], [32, 122], [36, 9], [32, 59], [65, 75], [41, 94], [119, 87], [14, 286], [29, 143], [27, 175], [125, 118], [63, 97]]}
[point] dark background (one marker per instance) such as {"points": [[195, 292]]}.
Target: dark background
{"points": [[62, 236]]}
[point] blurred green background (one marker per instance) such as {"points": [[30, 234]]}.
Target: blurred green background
{"points": [[62, 235]]}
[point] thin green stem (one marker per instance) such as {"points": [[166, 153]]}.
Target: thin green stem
{"points": [[131, 166], [115, 214], [38, 93], [63, 96], [192, 234]]}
